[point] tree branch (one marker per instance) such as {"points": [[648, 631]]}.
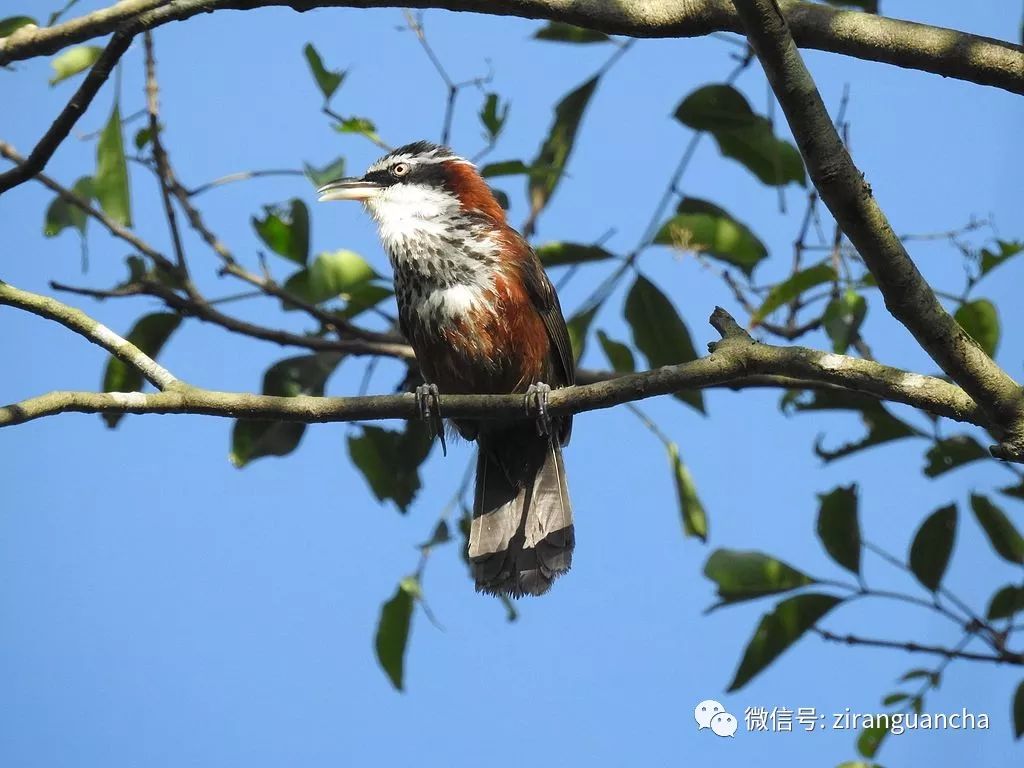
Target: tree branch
{"points": [[61, 127], [843, 188], [941, 51], [733, 361], [1004, 657], [79, 322]]}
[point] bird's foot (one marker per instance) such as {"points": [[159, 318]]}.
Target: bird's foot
{"points": [[537, 400], [428, 399]]}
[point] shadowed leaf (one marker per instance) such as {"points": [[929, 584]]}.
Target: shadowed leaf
{"points": [[870, 740], [660, 333], [694, 516], [330, 172], [981, 321], [556, 254], [793, 287], [554, 152], [1002, 535], [110, 182], [1005, 603], [149, 334], [1007, 249], [882, 426], [285, 231], [1014, 491], [619, 355], [291, 377], [493, 115], [390, 461], [12, 23], [327, 80], [932, 547], [843, 318], [745, 575], [393, 630], [505, 168], [742, 134], [703, 227], [951, 453], [61, 214], [578, 325], [560, 32], [778, 630], [73, 61], [838, 528]]}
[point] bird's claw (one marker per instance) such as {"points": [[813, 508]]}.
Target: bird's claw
{"points": [[537, 399], [428, 399]]}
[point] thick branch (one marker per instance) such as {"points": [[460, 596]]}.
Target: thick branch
{"points": [[902, 43], [61, 127], [847, 194], [83, 325], [734, 360]]}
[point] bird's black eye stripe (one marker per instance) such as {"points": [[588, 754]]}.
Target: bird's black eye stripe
{"points": [[380, 177]]}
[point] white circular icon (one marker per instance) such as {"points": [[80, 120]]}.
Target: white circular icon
{"points": [[723, 724], [706, 710]]}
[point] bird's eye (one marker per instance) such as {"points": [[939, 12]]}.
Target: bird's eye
{"points": [[400, 169]]}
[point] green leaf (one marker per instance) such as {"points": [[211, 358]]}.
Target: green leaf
{"points": [[60, 215], [149, 334], [1014, 491], [870, 740], [12, 23], [894, 698], [441, 535], [393, 630], [838, 528], [1002, 535], [742, 134], [556, 254], [327, 80], [791, 288], [659, 332], [746, 575], [843, 318], [320, 176], [703, 227], [333, 274], [505, 168], [922, 674], [1005, 603], [932, 547], [73, 61], [142, 137], [493, 115], [291, 377], [362, 297], [619, 355], [951, 453], [110, 182], [390, 461], [578, 325], [285, 232], [560, 32], [1007, 249], [981, 321], [359, 125], [778, 630], [694, 516], [882, 426], [554, 152], [1018, 711]]}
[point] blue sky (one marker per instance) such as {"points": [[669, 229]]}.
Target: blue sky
{"points": [[162, 608]]}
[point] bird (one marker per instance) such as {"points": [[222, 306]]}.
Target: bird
{"points": [[482, 317]]}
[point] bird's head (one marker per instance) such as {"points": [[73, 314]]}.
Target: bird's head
{"points": [[417, 183]]}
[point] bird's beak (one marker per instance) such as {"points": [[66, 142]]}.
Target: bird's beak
{"points": [[348, 189]]}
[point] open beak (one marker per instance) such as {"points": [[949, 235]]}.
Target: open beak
{"points": [[348, 189]]}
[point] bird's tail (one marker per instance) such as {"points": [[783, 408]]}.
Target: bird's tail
{"points": [[521, 537]]}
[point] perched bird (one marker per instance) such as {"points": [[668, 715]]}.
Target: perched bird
{"points": [[483, 318]]}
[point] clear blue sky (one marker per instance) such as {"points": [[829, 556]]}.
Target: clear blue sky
{"points": [[161, 608]]}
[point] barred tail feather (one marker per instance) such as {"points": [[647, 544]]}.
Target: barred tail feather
{"points": [[521, 537]]}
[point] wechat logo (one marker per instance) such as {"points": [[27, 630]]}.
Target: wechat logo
{"points": [[711, 714]]}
